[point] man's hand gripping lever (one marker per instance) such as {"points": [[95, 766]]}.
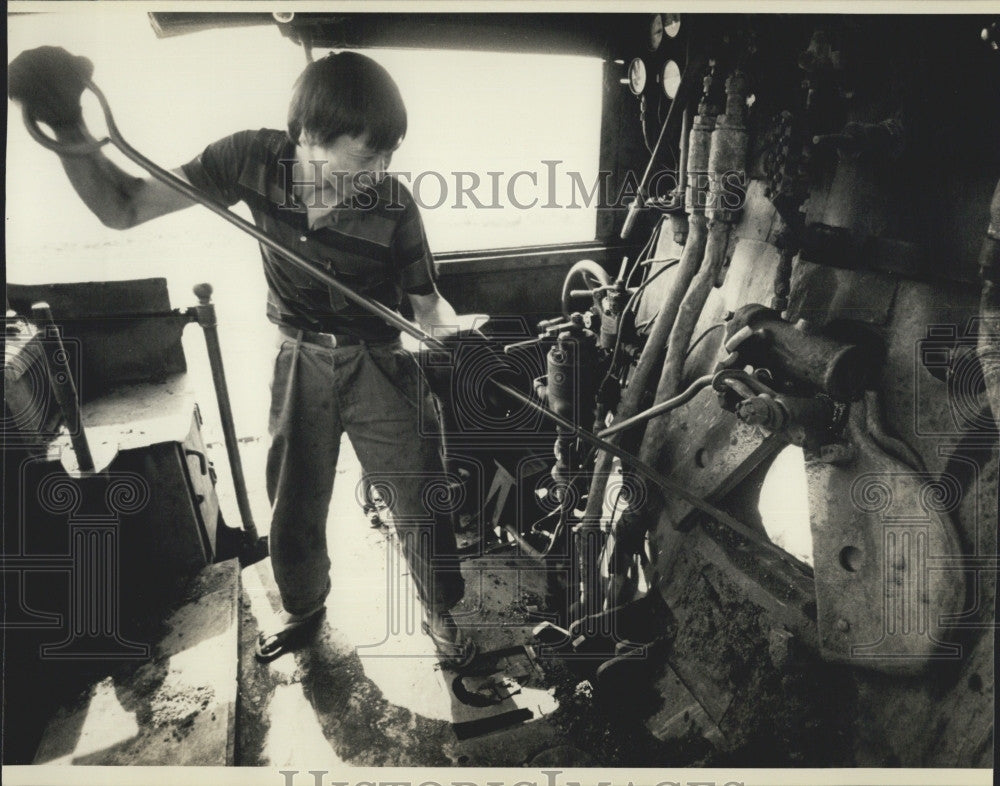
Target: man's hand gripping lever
{"points": [[465, 372], [48, 82]]}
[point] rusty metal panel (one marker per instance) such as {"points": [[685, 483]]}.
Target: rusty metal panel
{"points": [[820, 294], [885, 552], [168, 537]]}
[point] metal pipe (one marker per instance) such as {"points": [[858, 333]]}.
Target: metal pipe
{"points": [[63, 385], [205, 311], [525, 546], [647, 369], [729, 143], [655, 352], [677, 401], [727, 154], [689, 310], [682, 165]]}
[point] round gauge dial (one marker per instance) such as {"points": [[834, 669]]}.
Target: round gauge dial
{"points": [[671, 24], [671, 78], [655, 32], [637, 76]]}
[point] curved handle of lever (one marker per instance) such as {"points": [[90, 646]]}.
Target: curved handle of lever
{"points": [[71, 148]]}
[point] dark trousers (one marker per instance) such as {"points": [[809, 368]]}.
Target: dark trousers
{"points": [[376, 395]]}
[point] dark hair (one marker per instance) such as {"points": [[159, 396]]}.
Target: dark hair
{"points": [[347, 93]]}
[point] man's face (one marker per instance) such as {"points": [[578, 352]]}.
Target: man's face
{"points": [[348, 163]]}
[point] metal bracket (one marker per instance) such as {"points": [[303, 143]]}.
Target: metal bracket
{"points": [[879, 527]]}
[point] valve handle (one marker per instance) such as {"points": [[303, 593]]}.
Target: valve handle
{"points": [[70, 148]]}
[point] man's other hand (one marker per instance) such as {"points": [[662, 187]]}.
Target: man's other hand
{"points": [[49, 82], [463, 373]]}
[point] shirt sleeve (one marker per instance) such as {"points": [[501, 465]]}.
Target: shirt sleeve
{"points": [[217, 170], [410, 253]]}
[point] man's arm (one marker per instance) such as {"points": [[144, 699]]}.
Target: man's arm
{"points": [[118, 199], [48, 82]]}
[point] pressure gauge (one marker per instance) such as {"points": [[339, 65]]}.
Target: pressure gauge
{"points": [[655, 32], [637, 76], [671, 78], [671, 24]]}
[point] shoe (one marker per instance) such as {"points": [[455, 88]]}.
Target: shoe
{"points": [[289, 635], [455, 652]]}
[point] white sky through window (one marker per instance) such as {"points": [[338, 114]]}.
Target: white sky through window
{"points": [[172, 96]]}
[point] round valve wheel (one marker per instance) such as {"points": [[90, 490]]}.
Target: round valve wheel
{"points": [[580, 282]]}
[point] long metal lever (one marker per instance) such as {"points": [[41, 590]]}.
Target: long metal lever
{"points": [[205, 313]]}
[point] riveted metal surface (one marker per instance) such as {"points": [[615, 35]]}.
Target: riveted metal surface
{"points": [[884, 548]]}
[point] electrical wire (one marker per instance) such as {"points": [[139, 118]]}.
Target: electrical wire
{"points": [[654, 236], [634, 300], [704, 333], [649, 280]]}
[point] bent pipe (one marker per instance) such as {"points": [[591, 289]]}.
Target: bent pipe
{"points": [[378, 309], [647, 369], [690, 311], [677, 401], [658, 431], [654, 352]]}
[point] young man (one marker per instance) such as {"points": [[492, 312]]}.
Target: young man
{"points": [[320, 188]]}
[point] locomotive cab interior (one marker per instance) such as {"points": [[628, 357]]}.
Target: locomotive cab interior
{"points": [[742, 271]]}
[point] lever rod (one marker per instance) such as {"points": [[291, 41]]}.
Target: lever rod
{"points": [[205, 313]]}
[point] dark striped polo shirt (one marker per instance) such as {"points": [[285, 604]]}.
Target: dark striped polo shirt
{"points": [[379, 250]]}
